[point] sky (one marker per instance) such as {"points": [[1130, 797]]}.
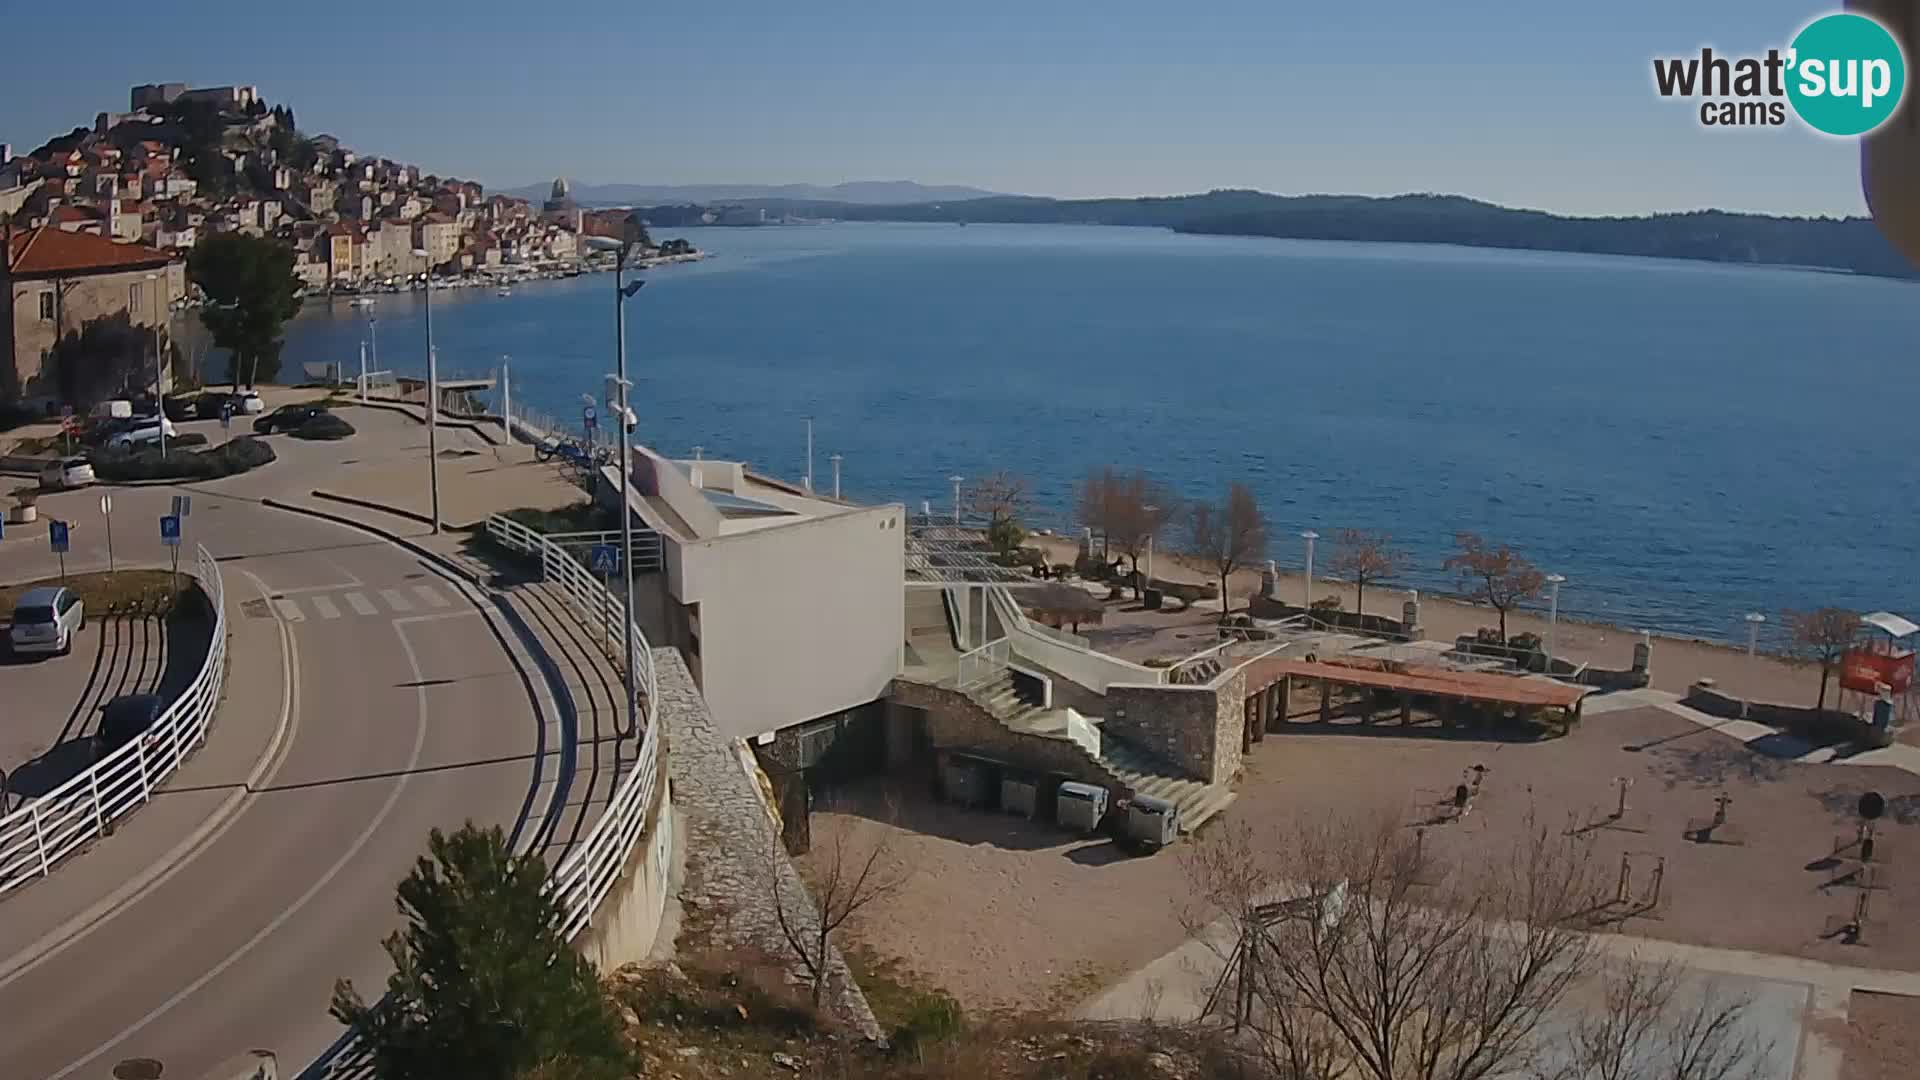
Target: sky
{"points": [[1540, 105]]}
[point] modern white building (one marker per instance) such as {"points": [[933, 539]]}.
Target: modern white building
{"points": [[788, 605]]}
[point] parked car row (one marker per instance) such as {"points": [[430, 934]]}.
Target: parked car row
{"points": [[44, 621]]}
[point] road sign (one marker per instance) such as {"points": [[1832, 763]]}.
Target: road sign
{"points": [[182, 506], [605, 559], [170, 530], [57, 536]]}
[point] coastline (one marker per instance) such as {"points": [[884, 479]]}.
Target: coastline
{"points": [[1676, 663]]}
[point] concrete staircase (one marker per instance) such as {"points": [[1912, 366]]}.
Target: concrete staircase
{"points": [[931, 656], [1137, 769]]}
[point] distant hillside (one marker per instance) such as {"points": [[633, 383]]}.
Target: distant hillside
{"points": [[857, 192], [1851, 244]]}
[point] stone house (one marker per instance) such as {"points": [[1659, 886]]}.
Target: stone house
{"points": [[54, 282]]}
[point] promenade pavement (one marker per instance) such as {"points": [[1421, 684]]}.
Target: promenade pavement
{"points": [[371, 695]]}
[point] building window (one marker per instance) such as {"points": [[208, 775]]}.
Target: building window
{"points": [[133, 297], [46, 305]]}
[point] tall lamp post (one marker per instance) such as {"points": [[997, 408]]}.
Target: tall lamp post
{"points": [[836, 475], [809, 455], [159, 381], [956, 478], [1151, 510], [633, 231], [1754, 619], [433, 397], [1554, 581], [1309, 536]]}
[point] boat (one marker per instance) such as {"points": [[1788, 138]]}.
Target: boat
{"points": [[503, 291]]}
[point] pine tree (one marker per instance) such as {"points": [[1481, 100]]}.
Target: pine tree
{"points": [[484, 984]]}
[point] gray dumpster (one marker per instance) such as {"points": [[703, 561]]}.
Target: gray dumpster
{"points": [[966, 783], [1080, 806], [1152, 823], [1019, 796]]}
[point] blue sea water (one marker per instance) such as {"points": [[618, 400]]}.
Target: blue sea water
{"points": [[1686, 442]]}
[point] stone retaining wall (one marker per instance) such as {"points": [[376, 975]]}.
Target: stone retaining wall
{"points": [[956, 722], [732, 840], [1197, 728]]}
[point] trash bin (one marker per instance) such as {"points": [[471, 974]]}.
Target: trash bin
{"points": [[1080, 807], [1152, 823], [1151, 600], [1018, 796]]}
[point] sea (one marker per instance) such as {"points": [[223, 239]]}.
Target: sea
{"points": [[1686, 442]]}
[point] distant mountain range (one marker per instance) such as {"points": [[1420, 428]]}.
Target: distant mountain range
{"points": [[856, 193], [1846, 244]]}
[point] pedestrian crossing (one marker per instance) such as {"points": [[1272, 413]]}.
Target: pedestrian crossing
{"points": [[362, 604]]}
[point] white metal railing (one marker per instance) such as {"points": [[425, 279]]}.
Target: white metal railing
{"points": [[648, 552], [983, 665], [36, 836], [590, 870], [1083, 732]]}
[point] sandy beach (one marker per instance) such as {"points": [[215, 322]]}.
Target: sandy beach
{"points": [[1676, 662]]}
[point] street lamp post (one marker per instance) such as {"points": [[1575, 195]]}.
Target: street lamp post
{"points": [[506, 396], [433, 401], [159, 382], [373, 345], [1151, 510], [1309, 536], [1554, 581], [1754, 619], [836, 475], [809, 455], [632, 231], [956, 478]]}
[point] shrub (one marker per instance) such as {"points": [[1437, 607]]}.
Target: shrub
{"points": [[1063, 570], [191, 438], [933, 1019], [228, 459], [324, 425], [1327, 605]]}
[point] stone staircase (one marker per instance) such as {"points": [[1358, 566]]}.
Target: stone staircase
{"points": [[1130, 766]]}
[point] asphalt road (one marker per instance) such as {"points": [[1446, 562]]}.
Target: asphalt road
{"points": [[407, 712]]}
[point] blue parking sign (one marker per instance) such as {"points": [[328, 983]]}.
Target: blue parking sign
{"points": [[170, 530], [605, 559], [57, 536]]}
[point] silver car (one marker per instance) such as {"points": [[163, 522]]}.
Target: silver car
{"points": [[45, 620]]}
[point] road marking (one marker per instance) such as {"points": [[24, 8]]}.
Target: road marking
{"points": [[396, 601], [289, 610], [324, 607], [430, 595], [386, 808], [360, 604]]}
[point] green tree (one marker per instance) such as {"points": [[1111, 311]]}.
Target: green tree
{"points": [[484, 984], [249, 285]]}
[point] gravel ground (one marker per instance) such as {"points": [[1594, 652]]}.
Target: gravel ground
{"points": [[1010, 915]]}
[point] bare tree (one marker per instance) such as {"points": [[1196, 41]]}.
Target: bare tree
{"points": [[1226, 537], [1823, 637], [1653, 1022], [1497, 576], [1001, 497], [1127, 511], [855, 868], [1365, 558], [1362, 958]]}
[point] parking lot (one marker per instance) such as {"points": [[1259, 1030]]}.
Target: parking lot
{"points": [[51, 704]]}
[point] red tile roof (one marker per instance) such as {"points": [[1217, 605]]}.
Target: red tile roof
{"points": [[49, 251]]}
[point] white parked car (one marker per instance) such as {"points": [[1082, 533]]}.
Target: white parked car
{"points": [[250, 403], [45, 620], [145, 429], [119, 409], [71, 472]]}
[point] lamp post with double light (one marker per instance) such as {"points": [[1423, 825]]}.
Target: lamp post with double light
{"points": [[433, 395], [633, 232]]}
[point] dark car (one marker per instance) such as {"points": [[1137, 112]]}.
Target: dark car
{"points": [[286, 418], [124, 719], [186, 408]]}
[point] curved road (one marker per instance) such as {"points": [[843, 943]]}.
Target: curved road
{"points": [[406, 710]]}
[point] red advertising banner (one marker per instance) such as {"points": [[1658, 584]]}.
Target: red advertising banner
{"points": [[1867, 671]]}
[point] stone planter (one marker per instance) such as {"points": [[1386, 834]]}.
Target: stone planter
{"points": [[23, 514]]}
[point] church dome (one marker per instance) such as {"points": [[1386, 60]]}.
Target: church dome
{"points": [[560, 188]]}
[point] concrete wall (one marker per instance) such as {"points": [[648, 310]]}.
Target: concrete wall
{"points": [[1197, 728], [626, 926], [797, 621]]}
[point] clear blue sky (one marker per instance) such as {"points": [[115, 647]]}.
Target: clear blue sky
{"points": [[1532, 104]]}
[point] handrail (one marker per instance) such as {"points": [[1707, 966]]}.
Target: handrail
{"points": [[40, 833], [588, 872], [982, 665]]}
